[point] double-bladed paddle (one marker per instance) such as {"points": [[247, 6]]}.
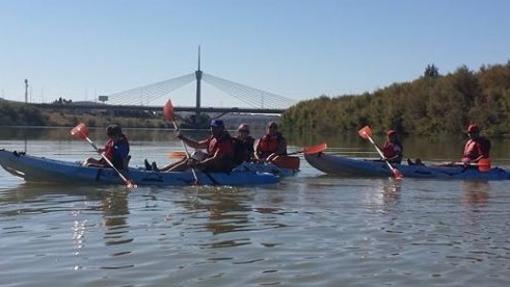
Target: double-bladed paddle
{"points": [[366, 133], [82, 132]]}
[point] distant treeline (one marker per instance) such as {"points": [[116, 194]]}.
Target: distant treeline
{"points": [[19, 114], [14, 114], [433, 104]]}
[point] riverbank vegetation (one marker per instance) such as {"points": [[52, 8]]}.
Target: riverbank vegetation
{"points": [[19, 114], [431, 105]]}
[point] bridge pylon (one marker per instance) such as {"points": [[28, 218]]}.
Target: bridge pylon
{"points": [[198, 77]]}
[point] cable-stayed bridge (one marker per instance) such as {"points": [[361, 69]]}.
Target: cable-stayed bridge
{"points": [[150, 97]]}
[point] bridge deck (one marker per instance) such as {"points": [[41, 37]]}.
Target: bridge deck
{"points": [[72, 106]]}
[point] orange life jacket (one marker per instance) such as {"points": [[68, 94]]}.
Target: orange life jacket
{"points": [[269, 144]]}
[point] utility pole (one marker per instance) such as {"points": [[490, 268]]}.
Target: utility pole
{"points": [[198, 76], [26, 91]]}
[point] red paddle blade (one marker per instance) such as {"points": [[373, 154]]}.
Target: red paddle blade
{"points": [[365, 132], [397, 174], [315, 149], [131, 185], [80, 131], [484, 165], [168, 111], [177, 154]]}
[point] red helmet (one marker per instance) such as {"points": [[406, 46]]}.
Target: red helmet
{"points": [[391, 132], [473, 128]]}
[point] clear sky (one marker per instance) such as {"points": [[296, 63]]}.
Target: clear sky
{"points": [[297, 49]]}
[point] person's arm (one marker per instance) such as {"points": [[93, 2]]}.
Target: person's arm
{"points": [[256, 151], [483, 151], [193, 143], [207, 162]]}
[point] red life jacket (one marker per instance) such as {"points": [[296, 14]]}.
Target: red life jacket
{"points": [[269, 144], [476, 147], [391, 150], [109, 149], [223, 145]]}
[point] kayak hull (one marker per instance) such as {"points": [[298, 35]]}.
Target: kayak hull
{"points": [[344, 166], [40, 169]]}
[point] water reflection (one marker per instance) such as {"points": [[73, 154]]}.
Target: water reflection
{"points": [[226, 208], [382, 194], [476, 193], [115, 212], [110, 202], [391, 193]]}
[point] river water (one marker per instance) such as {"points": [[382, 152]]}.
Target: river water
{"points": [[308, 230]]}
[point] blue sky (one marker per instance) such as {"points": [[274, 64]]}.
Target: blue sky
{"points": [[297, 49]]}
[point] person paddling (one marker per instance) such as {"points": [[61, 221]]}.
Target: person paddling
{"points": [[477, 147], [392, 148], [219, 156], [116, 150], [271, 145]]}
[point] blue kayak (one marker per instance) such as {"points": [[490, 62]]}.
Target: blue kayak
{"points": [[339, 165], [40, 169]]}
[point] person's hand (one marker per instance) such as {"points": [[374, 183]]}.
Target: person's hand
{"points": [[193, 162], [100, 150]]}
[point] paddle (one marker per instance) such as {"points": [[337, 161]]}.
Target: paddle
{"points": [[306, 150], [292, 162], [168, 113], [366, 133], [176, 154], [311, 149], [81, 132], [483, 164]]}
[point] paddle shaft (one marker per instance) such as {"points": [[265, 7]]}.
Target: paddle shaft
{"points": [[107, 160], [379, 151], [187, 152], [296, 152]]}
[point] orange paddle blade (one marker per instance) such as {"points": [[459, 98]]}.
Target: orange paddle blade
{"points": [[365, 132], [168, 111], [80, 131], [177, 154], [484, 164], [290, 162], [315, 149]]}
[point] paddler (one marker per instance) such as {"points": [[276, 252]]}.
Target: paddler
{"points": [[245, 144], [271, 145], [392, 148], [219, 156], [477, 147], [116, 149]]}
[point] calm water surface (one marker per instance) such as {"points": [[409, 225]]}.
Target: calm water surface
{"points": [[309, 230]]}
